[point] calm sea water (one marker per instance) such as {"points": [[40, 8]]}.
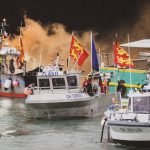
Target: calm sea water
{"points": [[17, 132]]}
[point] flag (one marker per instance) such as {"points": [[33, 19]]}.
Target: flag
{"points": [[95, 64], [21, 50], [77, 52], [20, 59], [121, 57]]}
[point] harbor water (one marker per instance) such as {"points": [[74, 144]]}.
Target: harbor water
{"points": [[19, 132]]}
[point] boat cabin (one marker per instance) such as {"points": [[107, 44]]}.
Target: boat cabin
{"points": [[139, 102], [57, 80]]}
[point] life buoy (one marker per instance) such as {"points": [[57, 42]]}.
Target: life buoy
{"points": [[95, 89], [19, 63], [7, 84]]}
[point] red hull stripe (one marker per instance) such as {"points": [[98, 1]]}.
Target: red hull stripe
{"points": [[14, 95]]}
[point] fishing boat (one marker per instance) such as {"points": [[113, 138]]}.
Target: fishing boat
{"points": [[60, 93], [11, 64], [131, 126]]}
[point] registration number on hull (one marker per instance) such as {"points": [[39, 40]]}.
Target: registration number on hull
{"points": [[133, 130]]}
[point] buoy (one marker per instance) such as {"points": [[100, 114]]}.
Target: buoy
{"points": [[16, 83], [7, 84], [27, 91]]}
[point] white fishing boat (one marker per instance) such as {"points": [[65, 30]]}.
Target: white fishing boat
{"points": [[59, 93], [131, 126], [11, 64]]}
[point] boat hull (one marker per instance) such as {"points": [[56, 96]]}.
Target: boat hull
{"points": [[89, 107], [129, 133]]}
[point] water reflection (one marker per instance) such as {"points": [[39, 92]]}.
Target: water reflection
{"points": [[17, 132]]}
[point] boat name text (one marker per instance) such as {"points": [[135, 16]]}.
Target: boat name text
{"points": [[50, 73], [74, 96]]}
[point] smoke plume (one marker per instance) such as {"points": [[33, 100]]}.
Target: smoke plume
{"points": [[42, 43]]}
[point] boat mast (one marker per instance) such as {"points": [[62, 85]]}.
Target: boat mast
{"points": [[91, 52], [116, 74], [129, 62]]}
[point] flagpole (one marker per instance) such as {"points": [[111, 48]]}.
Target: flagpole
{"points": [[91, 52], [76, 62], [69, 55], [129, 61], [99, 58], [40, 59], [115, 66]]}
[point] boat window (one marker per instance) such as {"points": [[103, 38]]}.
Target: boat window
{"points": [[72, 82], [58, 83], [141, 104], [44, 83]]}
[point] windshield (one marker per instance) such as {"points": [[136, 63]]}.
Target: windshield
{"points": [[44, 83], [72, 82], [58, 83], [141, 104]]}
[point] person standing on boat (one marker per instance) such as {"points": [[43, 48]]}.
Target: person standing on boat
{"points": [[95, 87], [11, 66], [101, 85], [87, 85], [105, 85]]}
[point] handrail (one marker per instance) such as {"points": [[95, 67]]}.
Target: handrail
{"points": [[113, 114], [58, 87]]}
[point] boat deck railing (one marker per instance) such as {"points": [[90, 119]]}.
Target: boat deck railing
{"points": [[4, 67], [58, 89]]}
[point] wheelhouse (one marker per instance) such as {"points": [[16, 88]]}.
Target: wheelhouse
{"points": [[66, 81], [139, 104]]}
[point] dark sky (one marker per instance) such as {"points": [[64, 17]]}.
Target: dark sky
{"points": [[74, 14]]}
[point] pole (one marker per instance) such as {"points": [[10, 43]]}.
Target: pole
{"points": [[91, 52], [76, 62], [129, 62], [69, 54], [115, 66], [40, 59], [99, 58], [25, 65]]}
